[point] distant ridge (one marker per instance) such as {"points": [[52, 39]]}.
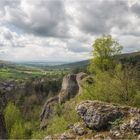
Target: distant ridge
{"points": [[133, 57]]}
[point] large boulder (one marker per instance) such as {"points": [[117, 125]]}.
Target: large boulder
{"points": [[3, 132], [98, 115]]}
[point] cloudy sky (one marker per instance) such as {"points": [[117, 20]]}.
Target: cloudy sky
{"points": [[64, 30]]}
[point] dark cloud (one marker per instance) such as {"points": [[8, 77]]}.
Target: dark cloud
{"points": [[67, 27], [100, 17], [44, 18], [77, 47], [136, 9]]}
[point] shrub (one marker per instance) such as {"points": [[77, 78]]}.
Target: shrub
{"points": [[40, 134], [119, 86], [57, 125], [18, 131], [136, 101], [12, 115]]}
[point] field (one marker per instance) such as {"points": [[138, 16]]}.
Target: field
{"points": [[23, 72]]}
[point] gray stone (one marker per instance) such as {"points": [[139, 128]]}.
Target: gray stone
{"points": [[69, 88], [98, 115], [125, 127], [138, 138], [79, 129], [135, 124], [47, 111], [66, 136]]}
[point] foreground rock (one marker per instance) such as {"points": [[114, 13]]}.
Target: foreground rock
{"points": [[98, 115], [120, 121], [135, 124], [111, 121]]}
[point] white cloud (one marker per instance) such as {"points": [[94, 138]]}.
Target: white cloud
{"points": [[65, 29]]}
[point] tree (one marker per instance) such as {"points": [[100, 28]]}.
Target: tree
{"points": [[104, 51]]}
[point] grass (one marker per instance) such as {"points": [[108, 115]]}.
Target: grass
{"points": [[17, 73]]}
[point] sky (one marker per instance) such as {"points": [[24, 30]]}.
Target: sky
{"points": [[64, 30]]}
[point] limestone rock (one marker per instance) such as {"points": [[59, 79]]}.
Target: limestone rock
{"points": [[47, 111], [79, 77], [138, 138], [66, 136], [69, 88], [99, 137], [116, 134], [97, 115], [135, 124], [79, 129]]}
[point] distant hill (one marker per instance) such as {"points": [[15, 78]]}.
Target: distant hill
{"points": [[74, 65], [133, 58]]}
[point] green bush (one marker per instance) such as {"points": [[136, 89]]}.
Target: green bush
{"points": [[57, 125], [119, 86], [18, 131], [40, 134], [136, 101], [12, 115]]}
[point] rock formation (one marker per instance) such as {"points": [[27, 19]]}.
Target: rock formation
{"points": [[47, 111], [97, 115], [70, 88], [100, 116], [111, 121]]}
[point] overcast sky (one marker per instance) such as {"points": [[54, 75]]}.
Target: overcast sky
{"points": [[64, 30]]}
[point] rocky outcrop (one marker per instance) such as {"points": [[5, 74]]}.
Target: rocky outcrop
{"points": [[122, 121], [79, 129], [97, 115], [47, 111], [135, 124], [8, 85], [111, 121], [3, 132], [71, 86]]}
